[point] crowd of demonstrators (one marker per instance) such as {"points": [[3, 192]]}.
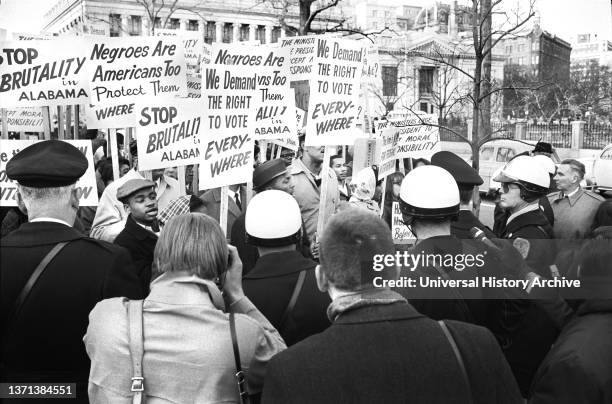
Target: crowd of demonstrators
{"points": [[543, 345]]}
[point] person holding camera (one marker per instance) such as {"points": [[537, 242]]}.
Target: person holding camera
{"points": [[194, 338]]}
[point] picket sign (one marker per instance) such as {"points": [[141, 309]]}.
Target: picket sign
{"points": [[384, 195], [4, 124], [323, 190], [181, 180], [263, 151], [46, 123], [249, 194], [112, 144], [279, 150], [223, 209], [76, 121], [126, 144]]}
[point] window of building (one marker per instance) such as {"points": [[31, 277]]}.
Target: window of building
{"points": [[227, 33], [426, 75], [389, 77], [374, 13], [535, 46], [535, 59], [209, 34], [115, 24], [192, 25], [244, 32], [260, 34], [135, 25], [157, 23], [521, 61], [174, 23], [276, 33], [509, 49], [521, 47]]}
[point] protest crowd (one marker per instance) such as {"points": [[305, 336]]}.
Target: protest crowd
{"points": [[219, 263]]}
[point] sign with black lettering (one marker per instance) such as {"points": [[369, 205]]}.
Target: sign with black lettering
{"points": [[39, 73], [25, 119], [85, 186], [334, 92], [168, 132]]}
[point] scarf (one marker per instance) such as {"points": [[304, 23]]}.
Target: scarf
{"points": [[368, 297]]}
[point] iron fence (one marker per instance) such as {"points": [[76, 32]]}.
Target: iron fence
{"points": [[596, 136], [558, 135]]}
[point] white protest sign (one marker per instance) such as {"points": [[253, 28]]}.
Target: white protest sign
{"points": [[229, 84], [193, 44], [85, 186], [292, 142], [168, 132], [301, 56], [21, 36], [400, 232], [388, 152], [334, 92], [123, 70], [39, 73], [274, 102], [417, 138], [25, 119]]}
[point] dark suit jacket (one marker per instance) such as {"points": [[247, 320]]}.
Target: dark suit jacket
{"points": [[141, 244], [212, 201], [578, 369], [270, 284], [45, 342], [390, 354]]}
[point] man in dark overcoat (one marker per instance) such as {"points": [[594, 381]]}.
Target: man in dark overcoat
{"points": [[379, 349], [43, 329]]}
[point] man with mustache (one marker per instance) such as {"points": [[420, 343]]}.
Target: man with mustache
{"points": [[141, 228]]}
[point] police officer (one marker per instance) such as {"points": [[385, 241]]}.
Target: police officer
{"points": [[53, 276], [523, 182], [282, 284], [467, 178]]}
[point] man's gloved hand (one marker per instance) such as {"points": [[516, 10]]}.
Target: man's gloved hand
{"points": [[511, 259]]}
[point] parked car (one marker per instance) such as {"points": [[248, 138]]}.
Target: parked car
{"points": [[602, 170], [496, 153]]}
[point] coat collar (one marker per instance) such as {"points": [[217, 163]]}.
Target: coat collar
{"points": [[531, 218], [279, 264], [572, 199], [181, 288], [466, 220], [379, 313], [40, 233], [231, 206], [137, 231]]}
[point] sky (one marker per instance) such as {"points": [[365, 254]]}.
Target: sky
{"points": [[564, 18]]}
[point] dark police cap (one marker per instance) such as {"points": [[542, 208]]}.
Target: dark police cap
{"points": [[267, 171], [133, 186], [47, 164], [464, 174]]}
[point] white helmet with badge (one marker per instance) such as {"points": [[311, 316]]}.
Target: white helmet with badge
{"points": [[429, 192], [273, 219]]}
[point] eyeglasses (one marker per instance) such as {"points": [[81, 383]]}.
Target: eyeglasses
{"points": [[506, 186]]}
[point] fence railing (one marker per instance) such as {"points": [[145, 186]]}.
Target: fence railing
{"points": [[596, 136], [558, 135]]}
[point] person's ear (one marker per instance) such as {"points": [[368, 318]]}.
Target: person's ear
{"points": [[126, 206], [21, 203], [74, 199], [322, 281]]}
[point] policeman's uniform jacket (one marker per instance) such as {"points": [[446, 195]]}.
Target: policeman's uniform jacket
{"points": [[44, 342], [270, 285], [574, 213], [212, 201], [466, 220], [390, 353], [140, 243], [578, 369]]}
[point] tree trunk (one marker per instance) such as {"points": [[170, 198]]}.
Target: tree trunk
{"points": [[485, 104], [304, 16]]}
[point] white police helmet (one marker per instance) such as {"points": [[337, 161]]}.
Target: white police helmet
{"points": [[273, 219], [429, 192], [546, 162], [528, 173]]}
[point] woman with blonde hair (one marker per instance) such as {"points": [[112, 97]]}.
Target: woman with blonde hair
{"points": [[190, 348]]}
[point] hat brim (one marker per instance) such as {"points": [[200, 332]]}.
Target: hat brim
{"points": [[502, 177]]}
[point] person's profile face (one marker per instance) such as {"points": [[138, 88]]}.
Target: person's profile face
{"points": [[284, 183]]}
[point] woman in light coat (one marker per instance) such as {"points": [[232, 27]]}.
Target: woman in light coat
{"points": [[188, 355]]}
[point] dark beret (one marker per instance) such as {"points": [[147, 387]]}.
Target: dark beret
{"points": [[462, 172], [133, 186], [267, 171], [47, 164]]}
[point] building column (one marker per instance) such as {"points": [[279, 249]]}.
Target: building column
{"points": [[236, 32], [146, 25], [252, 32], [268, 36], [125, 25], [219, 31], [183, 23]]}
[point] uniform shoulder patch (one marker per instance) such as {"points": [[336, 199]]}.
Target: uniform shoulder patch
{"points": [[594, 195]]}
